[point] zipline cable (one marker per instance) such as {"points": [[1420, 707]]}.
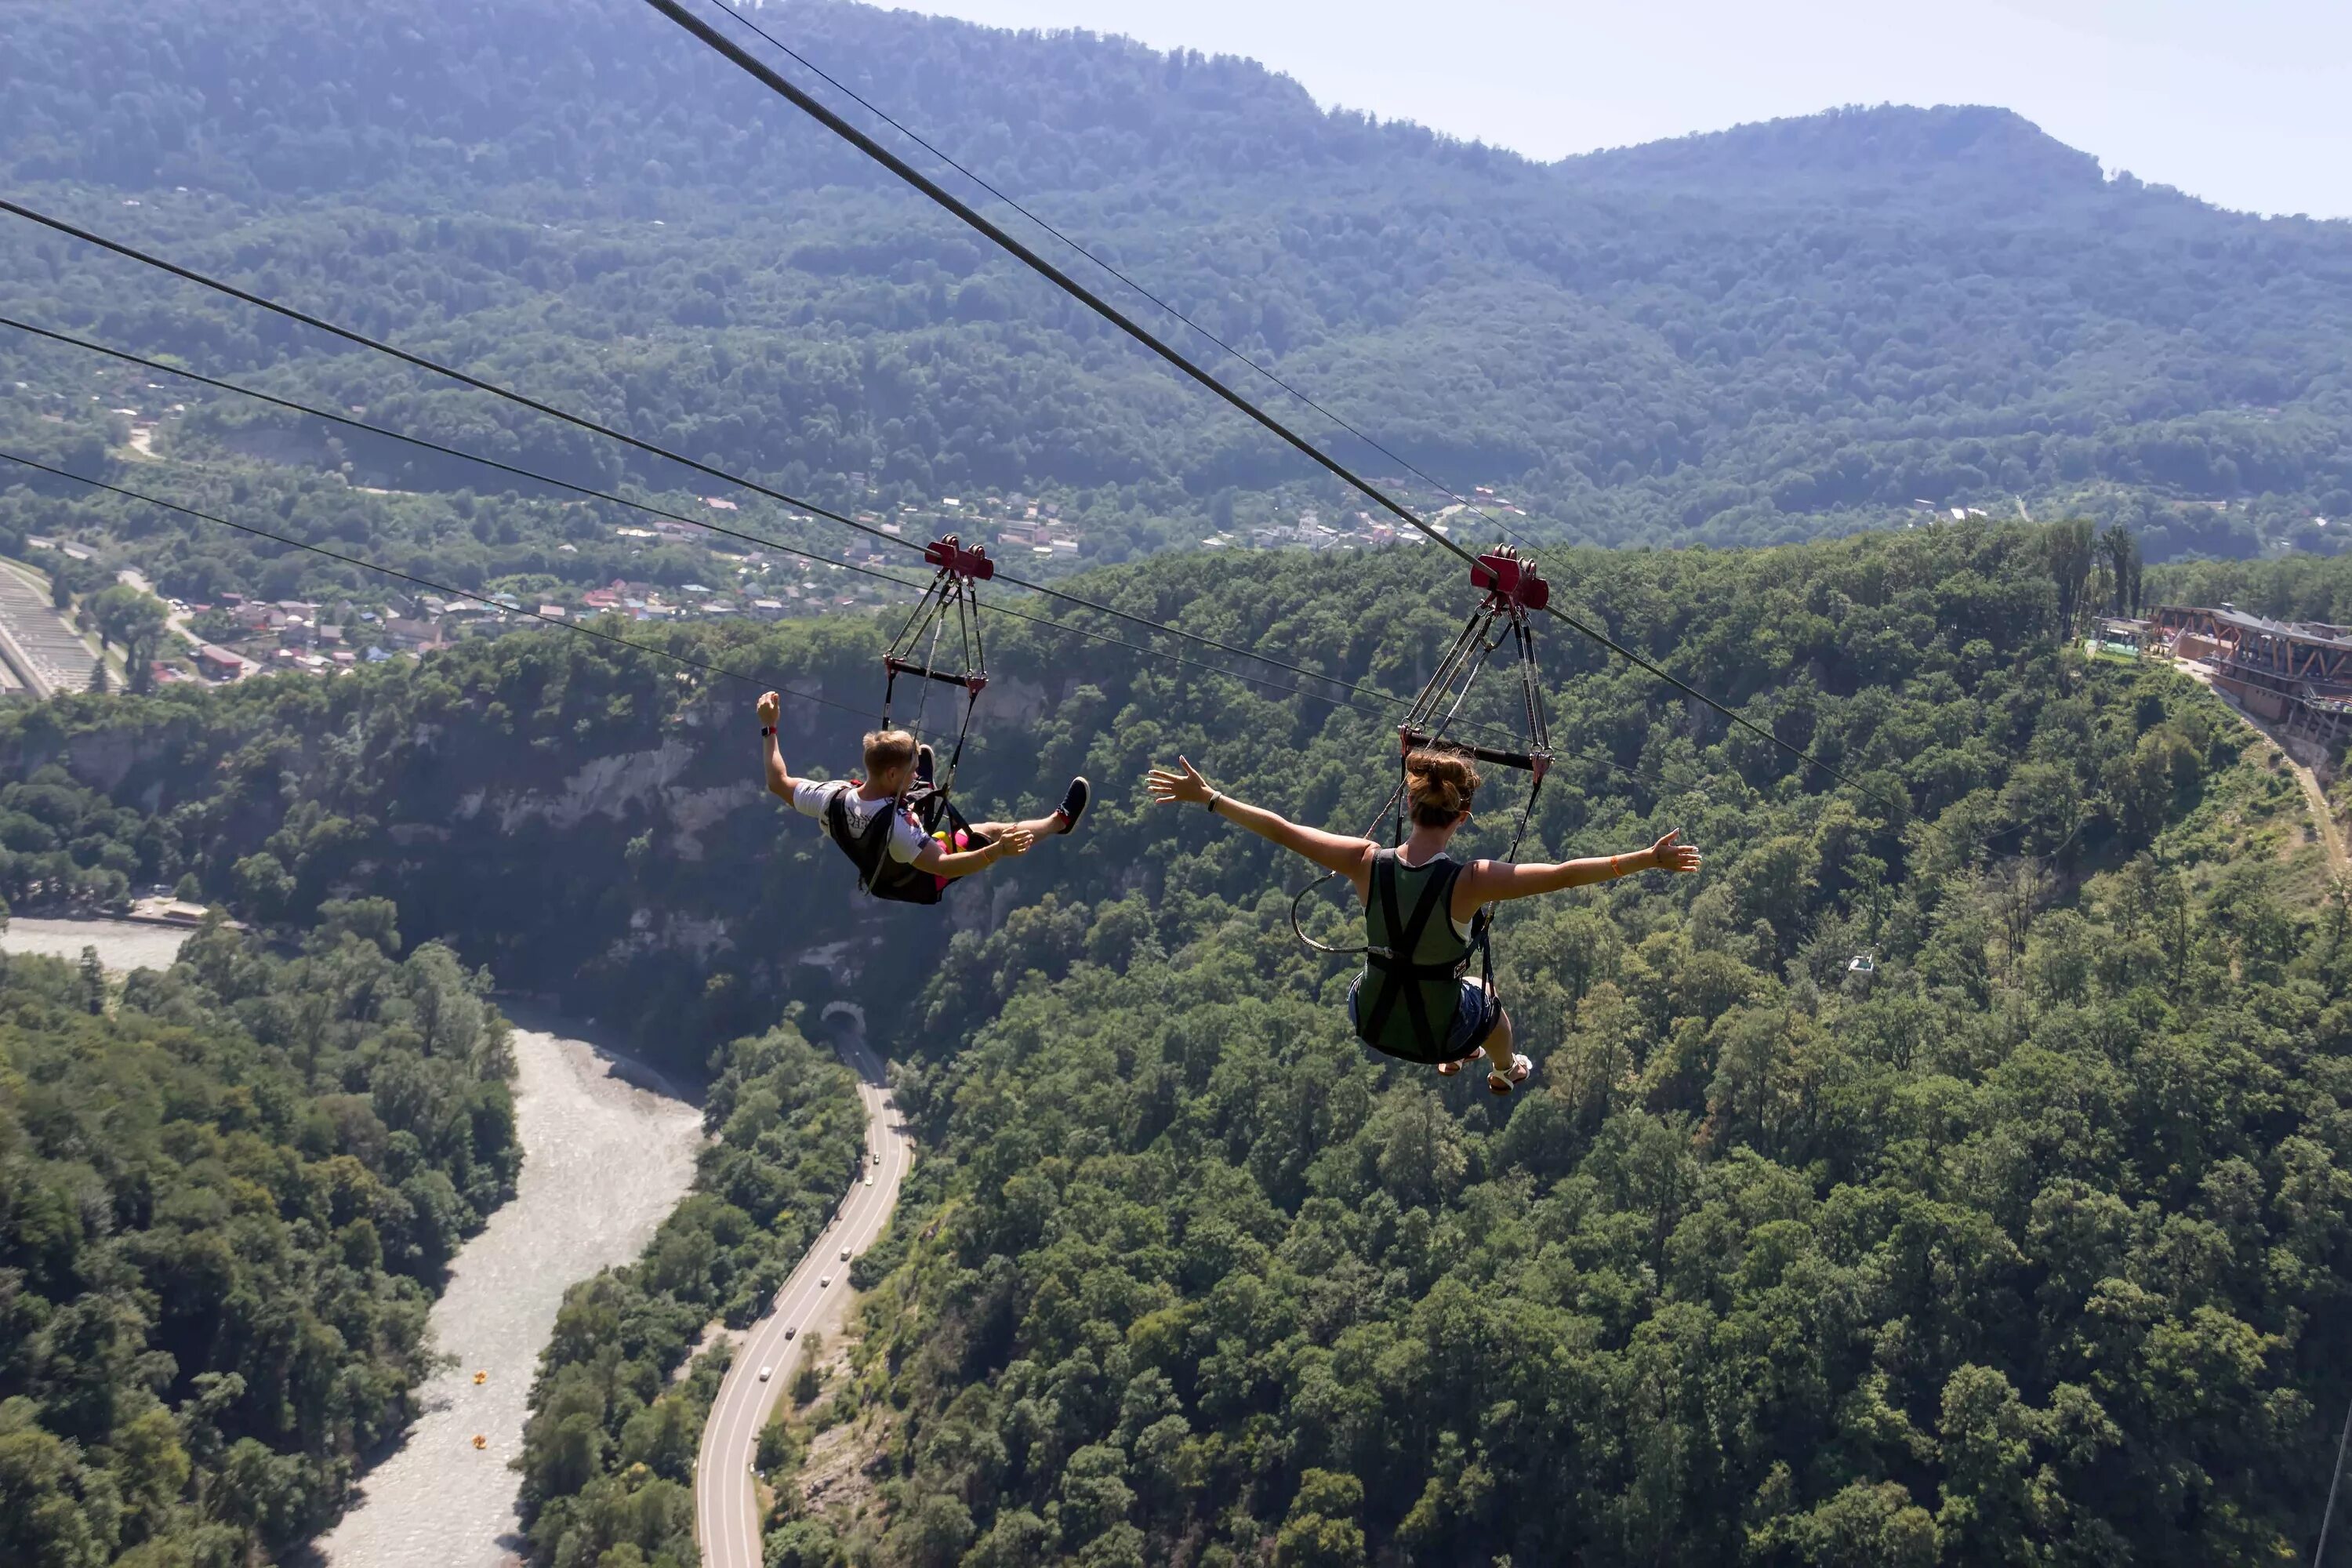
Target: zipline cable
{"points": [[948, 159], [582, 421], [349, 421], [522, 473], [657, 652], [356, 423], [2319, 1553], [810, 506], [760, 71], [583, 629]]}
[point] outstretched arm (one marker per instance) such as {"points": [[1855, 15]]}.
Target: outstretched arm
{"points": [[1332, 852], [1492, 881], [772, 748]]}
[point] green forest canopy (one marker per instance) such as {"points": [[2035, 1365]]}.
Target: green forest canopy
{"points": [[1756, 336], [2029, 1243], [227, 1197]]}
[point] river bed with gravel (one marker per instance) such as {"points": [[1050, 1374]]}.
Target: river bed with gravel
{"points": [[604, 1161]]}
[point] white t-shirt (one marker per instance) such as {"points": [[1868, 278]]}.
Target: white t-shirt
{"points": [[907, 836]]}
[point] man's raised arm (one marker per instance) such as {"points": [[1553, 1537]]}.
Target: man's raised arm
{"points": [[771, 749]]}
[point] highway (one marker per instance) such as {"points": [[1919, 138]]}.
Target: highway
{"points": [[726, 1510]]}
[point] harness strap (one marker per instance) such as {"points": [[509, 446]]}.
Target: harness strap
{"points": [[866, 846], [1399, 977]]}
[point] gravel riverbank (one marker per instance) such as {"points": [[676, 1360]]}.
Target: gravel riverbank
{"points": [[604, 1161]]}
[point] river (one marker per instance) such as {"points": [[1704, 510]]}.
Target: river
{"points": [[603, 1161]]}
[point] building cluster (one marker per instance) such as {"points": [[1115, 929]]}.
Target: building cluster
{"points": [[2295, 674], [1012, 524], [1358, 531], [296, 634]]}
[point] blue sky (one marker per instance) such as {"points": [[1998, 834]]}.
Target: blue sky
{"points": [[2248, 104]]}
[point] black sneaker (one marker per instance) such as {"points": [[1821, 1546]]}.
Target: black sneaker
{"points": [[1074, 803], [925, 763]]}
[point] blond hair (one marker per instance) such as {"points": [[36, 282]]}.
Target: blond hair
{"points": [[887, 749], [1438, 785]]}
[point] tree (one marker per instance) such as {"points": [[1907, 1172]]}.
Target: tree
{"points": [[2120, 547], [124, 614], [93, 981], [2070, 552], [1322, 1531]]}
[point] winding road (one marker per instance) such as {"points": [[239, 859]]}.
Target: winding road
{"points": [[725, 1503]]}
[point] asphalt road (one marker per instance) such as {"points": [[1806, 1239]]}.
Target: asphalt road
{"points": [[725, 1510]]}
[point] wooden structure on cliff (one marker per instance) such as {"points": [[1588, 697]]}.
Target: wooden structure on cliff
{"points": [[2297, 674]]}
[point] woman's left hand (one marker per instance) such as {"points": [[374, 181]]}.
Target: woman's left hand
{"points": [[1666, 855]]}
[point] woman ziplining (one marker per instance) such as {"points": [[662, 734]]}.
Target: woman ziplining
{"points": [[1415, 999], [1423, 1004]]}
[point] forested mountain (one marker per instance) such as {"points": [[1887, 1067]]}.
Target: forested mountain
{"points": [[2031, 1240], [1760, 335], [227, 1195], [1956, 1173]]}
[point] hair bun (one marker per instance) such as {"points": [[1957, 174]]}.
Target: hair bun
{"points": [[1439, 785]]}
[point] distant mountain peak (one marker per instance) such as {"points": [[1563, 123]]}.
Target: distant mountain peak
{"points": [[1861, 145]]}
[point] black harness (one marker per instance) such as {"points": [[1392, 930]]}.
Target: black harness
{"points": [[1399, 975], [868, 847], [916, 651]]}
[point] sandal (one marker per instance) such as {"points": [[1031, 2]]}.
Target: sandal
{"points": [[1499, 1083], [1448, 1069]]}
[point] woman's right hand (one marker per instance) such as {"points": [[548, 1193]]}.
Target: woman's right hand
{"points": [[1170, 787], [769, 705]]}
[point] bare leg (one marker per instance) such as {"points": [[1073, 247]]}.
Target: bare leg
{"points": [[1498, 1043], [1037, 827], [1502, 1025]]}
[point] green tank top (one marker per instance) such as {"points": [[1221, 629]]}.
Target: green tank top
{"points": [[1413, 959]]}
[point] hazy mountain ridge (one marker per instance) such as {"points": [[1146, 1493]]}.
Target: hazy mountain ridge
{"points": [[1945, 144], [1754, 335]]}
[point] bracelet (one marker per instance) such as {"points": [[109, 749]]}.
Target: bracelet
{"points": [[1613, 872], [1209, 804], [766, 729]]}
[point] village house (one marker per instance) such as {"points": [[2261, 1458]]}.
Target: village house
{"points": [[217, 663]]}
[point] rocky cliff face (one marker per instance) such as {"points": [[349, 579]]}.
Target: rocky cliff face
{"points": [[641, 871]]}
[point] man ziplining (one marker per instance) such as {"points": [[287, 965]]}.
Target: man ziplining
{"points": [[1415, 999], [905, 839]]}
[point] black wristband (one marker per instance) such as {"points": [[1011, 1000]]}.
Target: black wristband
{"points": [[767, 730], [1209, 804]]}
